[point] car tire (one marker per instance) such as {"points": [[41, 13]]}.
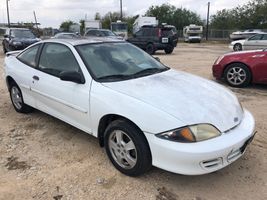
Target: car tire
{"points": [[17, 99], [237, 47], [237, 75], [150, 48], [127, 148], [168, 50], [4, 49]]}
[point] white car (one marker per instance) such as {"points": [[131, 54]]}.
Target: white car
{"points": [[143, 112], [255, 42]]}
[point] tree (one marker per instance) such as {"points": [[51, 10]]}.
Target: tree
{"points": [[82, 26], [250, 15], [179, 17], [65, 26]]}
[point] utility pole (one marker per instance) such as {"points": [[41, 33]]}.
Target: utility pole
{"points": [[36, 24], [208, 17], [7, 8], [121, 9]]}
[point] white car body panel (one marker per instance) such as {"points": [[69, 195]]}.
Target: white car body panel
{"points": [[188, 98], [156, 103]]}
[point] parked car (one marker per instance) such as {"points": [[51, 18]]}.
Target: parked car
{"points": [[66, 35], [239, 69], [143, 112], [153, 38], [258, 41], [102, 33], [18, 39], [241, 35]]}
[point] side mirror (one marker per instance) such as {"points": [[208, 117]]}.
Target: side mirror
{"points": [[72, 76]]}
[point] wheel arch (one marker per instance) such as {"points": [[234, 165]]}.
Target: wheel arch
{"points": [[9, 80], [237, 62], [106, 120]]}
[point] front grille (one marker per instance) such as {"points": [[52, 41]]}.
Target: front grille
{"points": [[212, 164]]}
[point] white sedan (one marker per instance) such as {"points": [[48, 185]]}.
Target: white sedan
{"points": [[258, 41], [143, 112]]}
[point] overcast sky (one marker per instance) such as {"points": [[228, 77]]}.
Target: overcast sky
{"points": [[53, 12]]}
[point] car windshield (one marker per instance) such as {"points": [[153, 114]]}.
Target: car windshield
{"points": [[110, 62], [22, 34], [108, 33]]}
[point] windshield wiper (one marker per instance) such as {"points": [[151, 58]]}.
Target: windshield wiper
{"points": [[149, 71], [114, 77]]}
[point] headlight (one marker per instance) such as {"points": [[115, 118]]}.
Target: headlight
{"points": [[218, 60], [194, 133]]}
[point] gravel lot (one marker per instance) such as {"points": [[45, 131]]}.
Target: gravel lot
{"points": [[44, 158]]}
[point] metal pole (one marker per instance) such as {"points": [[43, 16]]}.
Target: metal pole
{"points": [[121, 9], [35, 21], [8, 20], [208, 17]]}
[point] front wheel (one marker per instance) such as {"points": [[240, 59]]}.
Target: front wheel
{"points": [[127, 148], [17, 99], [237, 75], [237, 47]]}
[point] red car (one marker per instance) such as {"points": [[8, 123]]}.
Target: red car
{"points": [[239, 69]]}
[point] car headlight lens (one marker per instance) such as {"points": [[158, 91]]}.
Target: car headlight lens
{"points": [[189, 134]]}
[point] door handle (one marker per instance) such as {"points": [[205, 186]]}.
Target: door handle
{"points": [[36, 78]]}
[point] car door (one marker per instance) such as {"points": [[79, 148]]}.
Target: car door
{"points": [[65, 100], [25, 65], [253, 42], [264, 41], [137, 39]]}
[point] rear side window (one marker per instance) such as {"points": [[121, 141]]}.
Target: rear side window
{"points": [[28, 57], [256, 37]]}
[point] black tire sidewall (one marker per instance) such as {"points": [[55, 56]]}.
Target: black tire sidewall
{"points": [[144, 160], [245, 68], [150, 48], [24, 108], [168, 49], [239, 45]]}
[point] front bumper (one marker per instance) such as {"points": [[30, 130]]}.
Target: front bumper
{"points": [[202, 157]]}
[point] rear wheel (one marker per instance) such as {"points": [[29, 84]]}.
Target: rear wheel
{"points": [[237, 75], [168, 49], [237, 47], [17, 99], [150, 48], [127, 148]]}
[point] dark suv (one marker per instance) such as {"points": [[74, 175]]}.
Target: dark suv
{"points": [[18, 39], [153, 38]]}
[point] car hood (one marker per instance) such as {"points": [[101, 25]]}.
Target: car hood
{"points": [[188, 98], [26, 40]]}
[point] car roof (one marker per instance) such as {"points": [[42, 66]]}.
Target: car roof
{"points": [[81, 41]]}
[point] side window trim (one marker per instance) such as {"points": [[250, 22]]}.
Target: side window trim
{"points": [[28, 64], [40, 51]]}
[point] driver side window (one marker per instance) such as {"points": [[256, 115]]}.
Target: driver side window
{"points": [[56, 58]]}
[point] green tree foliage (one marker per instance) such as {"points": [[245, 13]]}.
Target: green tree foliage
{"points": [[179, 17], [65, 26], [251, 15], [82, 26]]}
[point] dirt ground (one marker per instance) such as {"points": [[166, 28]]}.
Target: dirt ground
{"points": [[44, 158]]}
